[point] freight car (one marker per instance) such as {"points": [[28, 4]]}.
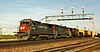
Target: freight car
{"points": [[84, 33], [30, 29]]}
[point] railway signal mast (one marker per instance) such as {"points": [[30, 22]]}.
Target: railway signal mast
{"points": [[62, 17]]}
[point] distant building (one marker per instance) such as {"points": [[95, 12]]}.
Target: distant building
{"points": [[8, 33]]}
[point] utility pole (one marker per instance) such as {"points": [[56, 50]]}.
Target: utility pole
{"points": [[93, 25], [77, 27], [0, 31]]}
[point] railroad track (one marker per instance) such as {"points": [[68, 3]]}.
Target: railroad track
{"points": [[72, 47], [22, 43]]}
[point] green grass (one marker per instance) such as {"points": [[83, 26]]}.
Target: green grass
{"points": [[7, 36]]}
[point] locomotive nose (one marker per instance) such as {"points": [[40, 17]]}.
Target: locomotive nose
{"points": [[24, 27]]}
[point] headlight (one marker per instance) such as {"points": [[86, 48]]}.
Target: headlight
{"points": [[22, 28]]}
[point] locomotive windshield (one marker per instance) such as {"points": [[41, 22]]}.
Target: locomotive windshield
{"points": [[24, 22]]}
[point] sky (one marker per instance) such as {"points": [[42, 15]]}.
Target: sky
{"points": [[13, 11]]}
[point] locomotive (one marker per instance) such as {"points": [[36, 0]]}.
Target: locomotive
{"points": [[30, 29]]}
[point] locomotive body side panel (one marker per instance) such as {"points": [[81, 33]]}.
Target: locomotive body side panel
{"points": [[41, 28]]}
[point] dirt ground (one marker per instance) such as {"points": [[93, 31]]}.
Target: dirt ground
{"points": [[32, 47]]}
